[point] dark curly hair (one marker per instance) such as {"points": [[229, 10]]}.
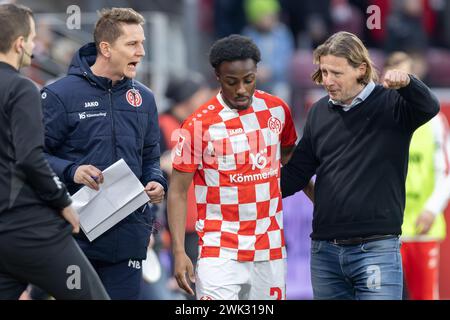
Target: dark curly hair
{"points": [[232, 48]]}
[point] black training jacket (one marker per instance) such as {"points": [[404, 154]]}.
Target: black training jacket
{"points": [[360, 158], [26, 180]]}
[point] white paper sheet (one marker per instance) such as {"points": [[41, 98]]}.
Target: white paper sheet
{"points": [[120, 194]]}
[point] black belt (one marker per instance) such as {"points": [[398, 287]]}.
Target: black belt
{"points": [[361, 240]]}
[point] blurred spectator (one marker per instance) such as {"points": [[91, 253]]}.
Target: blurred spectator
{"points": [[346, 17], [185, 95], [53, 63], [442, 28], [229, 17], [427, 194], [276, 44], [310, 21], [419, 65], [446, 25], [44, 67], [63, 50], [406, 30], [374, 37], [438, 66]]}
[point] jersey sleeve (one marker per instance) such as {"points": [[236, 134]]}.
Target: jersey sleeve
{"points": [[288, 135], [186, 155]]}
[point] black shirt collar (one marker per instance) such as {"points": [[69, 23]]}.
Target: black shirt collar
{"points": [[6, 66]]}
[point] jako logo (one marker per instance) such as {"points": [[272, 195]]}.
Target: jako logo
{"points": [[82, 115], [91, 104], [233, 132], [258, 161]]}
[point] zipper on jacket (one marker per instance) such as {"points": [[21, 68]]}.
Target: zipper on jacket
{"points": [[113, 133], [85, 74], [115, 245]]}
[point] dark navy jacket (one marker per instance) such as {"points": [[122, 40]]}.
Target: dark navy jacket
{"points": [[89, 121]]}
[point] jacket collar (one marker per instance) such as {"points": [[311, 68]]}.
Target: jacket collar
{"points": [[365, 92], [7, 66], [81, 64]]}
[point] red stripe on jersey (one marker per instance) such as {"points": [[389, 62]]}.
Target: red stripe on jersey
{"points": [[247, 227], [276, 254], [246, 255], [229, 240]]}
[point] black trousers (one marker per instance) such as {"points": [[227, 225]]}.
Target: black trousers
{"points": [[47, 256]]}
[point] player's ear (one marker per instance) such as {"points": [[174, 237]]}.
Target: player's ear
{"points": [[19, 44], [105, 49], [362, 69]]}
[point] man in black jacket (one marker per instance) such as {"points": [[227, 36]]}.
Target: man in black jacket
{"points": [[36, 219], [356, 141]]}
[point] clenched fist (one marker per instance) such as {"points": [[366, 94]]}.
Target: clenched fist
{"points": [[395, 79], [155, 192]]}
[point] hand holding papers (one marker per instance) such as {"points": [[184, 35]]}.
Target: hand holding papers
{"points": [[119, 195]]}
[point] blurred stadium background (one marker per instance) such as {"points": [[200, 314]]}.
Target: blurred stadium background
{"points": [[179, 33]]}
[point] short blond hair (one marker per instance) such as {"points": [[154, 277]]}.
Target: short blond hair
{"points": [[345, 45], [108, 28]]}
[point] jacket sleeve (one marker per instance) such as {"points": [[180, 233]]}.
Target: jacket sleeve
{"points": [[415, 104], [151, 170], [27, 135], [296, 174], [55, 121]]}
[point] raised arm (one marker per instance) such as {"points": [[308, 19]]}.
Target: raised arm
{"points": [[415, 103]]}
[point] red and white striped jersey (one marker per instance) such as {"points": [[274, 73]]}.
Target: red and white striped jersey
{"points": [[235, 155]]}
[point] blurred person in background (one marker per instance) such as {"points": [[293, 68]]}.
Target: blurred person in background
{"points": [[347, 17], [276, 43], [95, 116], [229, 17], [36, 218], [405, 29], [427, 194], [45, 67], [310, 21]]}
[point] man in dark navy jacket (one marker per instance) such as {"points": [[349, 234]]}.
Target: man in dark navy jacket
{"points": [[356, 141], [95, 116]]}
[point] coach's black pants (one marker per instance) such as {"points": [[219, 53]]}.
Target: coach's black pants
{"points": [[47, 256]]}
